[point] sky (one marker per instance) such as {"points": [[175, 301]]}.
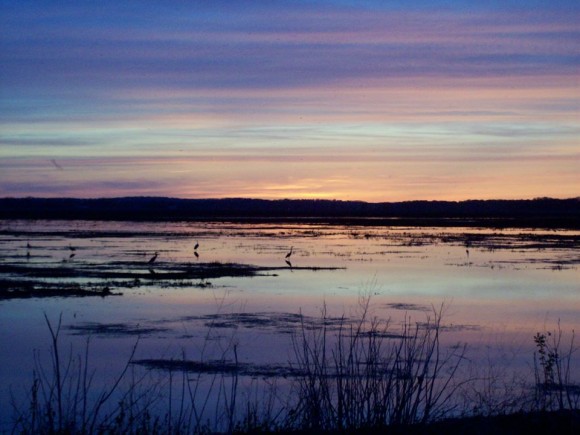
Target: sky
{"points": [[351, 100]]}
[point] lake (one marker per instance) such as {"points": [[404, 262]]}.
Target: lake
{"points": [[497, 289]]}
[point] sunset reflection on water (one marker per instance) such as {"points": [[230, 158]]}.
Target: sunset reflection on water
{"points": [[498, 287]]}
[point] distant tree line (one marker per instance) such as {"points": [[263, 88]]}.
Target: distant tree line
{"points": [[547, 212]]}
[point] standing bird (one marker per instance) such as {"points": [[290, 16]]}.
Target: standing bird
{"points": [[289, 253], [152, 259], [196, 246]]}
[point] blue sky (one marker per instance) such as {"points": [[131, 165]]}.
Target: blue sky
{"points": [[377, 101]]}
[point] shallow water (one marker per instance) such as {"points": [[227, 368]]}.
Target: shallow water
{"points": [[498, 287]]}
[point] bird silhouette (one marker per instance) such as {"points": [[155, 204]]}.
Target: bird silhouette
{"points": [[56, 165], [152, 259], [289, 253], [196, 246]]}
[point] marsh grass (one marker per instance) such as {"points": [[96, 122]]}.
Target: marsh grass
{"points": [[554, 388], [551, 384], [64, 399], [362, 375], [349, 374]]}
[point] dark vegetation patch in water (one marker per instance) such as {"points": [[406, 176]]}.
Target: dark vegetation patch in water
{"points": [[461, 327], [144, 271], [113, 329], [408, 307], [34, 280], [290, 323], [228, 367], [561, 262], [220, 367], [285, 323], [22, 289], [523, 241]]}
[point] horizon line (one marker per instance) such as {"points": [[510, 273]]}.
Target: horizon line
{"points": [[283, 199]]}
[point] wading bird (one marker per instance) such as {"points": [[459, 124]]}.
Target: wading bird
{"points": [[289, 253], [152, 259], [196, 246]]}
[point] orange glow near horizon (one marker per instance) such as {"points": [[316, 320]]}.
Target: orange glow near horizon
{"points": [[371, 103]]}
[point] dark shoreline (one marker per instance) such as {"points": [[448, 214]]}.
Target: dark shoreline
{"points": [[538, 213], [540, 422]]}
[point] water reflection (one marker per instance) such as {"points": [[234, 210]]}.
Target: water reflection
{"points": [[169, 282]]}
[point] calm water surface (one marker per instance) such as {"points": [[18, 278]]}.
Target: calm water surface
{"points": [[498, 287]]}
